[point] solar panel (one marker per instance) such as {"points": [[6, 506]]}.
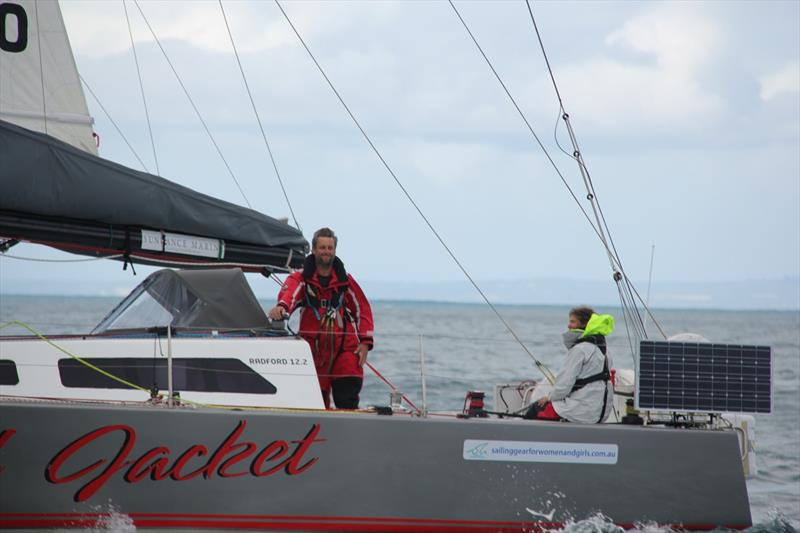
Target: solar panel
{"points": [[704, 377]]}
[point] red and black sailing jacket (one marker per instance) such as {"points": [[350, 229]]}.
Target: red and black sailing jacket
{"points": [[335, 318]]}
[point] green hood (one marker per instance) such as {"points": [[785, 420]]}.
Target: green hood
{"points": [[599, 325]]}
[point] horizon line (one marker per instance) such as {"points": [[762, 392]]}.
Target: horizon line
{"points": [[468, 302]]}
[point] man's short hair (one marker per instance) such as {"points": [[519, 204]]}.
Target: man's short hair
{"points": [[583, 314], [324, 232]]}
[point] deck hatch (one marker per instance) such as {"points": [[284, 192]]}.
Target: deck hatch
{"points": [[197, 374], [8, 372]]}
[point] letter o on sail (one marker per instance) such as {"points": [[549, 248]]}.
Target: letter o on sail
{"points": [[8, 13]]}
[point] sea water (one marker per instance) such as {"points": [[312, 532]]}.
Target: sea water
{"points": [[466, 347]]}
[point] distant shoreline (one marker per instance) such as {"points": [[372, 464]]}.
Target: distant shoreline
{"points": [[777, 294], [452, 303]]}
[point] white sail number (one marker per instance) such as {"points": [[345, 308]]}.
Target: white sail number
{"points": [[8, 10]]}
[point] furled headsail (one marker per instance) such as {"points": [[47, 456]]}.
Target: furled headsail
{"points": [[55, 194], [39, 84]]}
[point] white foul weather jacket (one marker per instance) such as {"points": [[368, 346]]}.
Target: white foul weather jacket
{"points": [[583, 360]]}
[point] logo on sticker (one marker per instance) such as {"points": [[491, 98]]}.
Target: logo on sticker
{"points": [[476, 452]]}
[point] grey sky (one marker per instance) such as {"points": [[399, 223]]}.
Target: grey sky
{"points": [[688, 115]]}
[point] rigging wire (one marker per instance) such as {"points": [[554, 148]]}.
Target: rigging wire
{"points": [[194, 106], [555, 133], [525, 119], [108, 116], [627, 302], [141, 87], [649, 280], [628, 284], [598, 228], [631, 287], [258, 118], [541, 366]]}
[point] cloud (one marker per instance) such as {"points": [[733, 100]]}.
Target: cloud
{"points": [[680, 39], [651, 71], [783, 81], [101, 29], [661, 97], [664, 99], [98, 29]]}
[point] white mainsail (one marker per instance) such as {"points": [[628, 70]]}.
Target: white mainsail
{"points": [[39, 84]]}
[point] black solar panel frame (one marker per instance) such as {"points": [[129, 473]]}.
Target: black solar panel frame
{"points": [[691, 377]]}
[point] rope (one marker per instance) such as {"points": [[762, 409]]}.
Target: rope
{"points": [[143, 258], [108, 116], [2, 255], [204, 264], [141, 88], [182, 400], [258, 119], [391, 386], [543, 368], [191, 101], [274, 409], [72, 355]]}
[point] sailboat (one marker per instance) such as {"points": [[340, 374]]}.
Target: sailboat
{"points": [[186, 408]]}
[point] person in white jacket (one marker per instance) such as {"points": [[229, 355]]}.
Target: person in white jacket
{"points": [[582, 391]]}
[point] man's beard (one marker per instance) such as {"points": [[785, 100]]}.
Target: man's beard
{"points": [[323, 261]]}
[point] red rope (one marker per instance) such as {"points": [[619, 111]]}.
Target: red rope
{"points": [[375, 370]]}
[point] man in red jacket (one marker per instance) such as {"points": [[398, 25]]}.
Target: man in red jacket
{"points": [[335, 319]]}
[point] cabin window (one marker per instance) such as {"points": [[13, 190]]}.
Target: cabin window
{"points": [[143, 312], [8, 372], [188, 374]]}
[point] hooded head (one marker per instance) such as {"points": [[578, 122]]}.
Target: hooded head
{"points": [[599, 325], [579, 317], [602, 325]]}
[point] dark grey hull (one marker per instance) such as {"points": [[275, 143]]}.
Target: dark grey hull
{"points": [[184, 468]]}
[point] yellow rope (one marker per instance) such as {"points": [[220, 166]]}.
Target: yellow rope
{"points": [[67, 352], [181, 400], [280, 409]]}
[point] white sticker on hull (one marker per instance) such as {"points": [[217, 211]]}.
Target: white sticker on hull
{"points": [[540, 452]]}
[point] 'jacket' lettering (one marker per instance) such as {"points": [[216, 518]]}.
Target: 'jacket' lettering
{"points": [[232, 458]]}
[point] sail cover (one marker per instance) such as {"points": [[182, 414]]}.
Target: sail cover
{"points": [[55, 194], [39, 84]]}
